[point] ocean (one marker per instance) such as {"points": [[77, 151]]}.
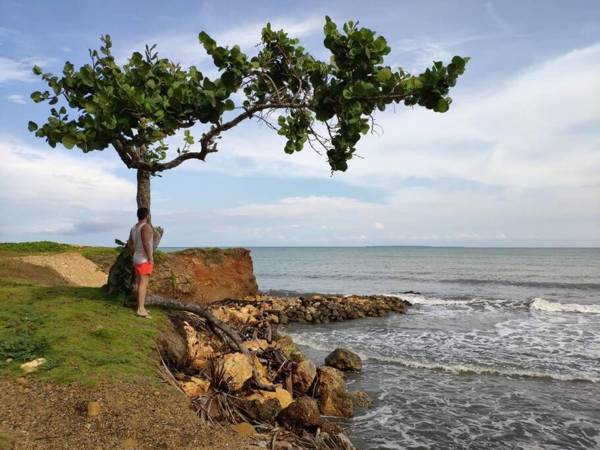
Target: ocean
{"points": [[500, 350]]}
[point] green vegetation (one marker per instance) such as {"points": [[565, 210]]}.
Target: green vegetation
{"points": [[35, 247], [85, 335]]}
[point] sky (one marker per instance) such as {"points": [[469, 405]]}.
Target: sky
{"points": [[515, 162]]}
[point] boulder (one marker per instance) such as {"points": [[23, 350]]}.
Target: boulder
{"points": [[173, 348], [361, 399], [204, 275], [302, 413], [195, 387], [261, 408], [281, 395], [344, 359], [304, 375], [256, 345], [263, 373], [333, 398], [32, 366], [331, 428], [286, 344], [236, 368]]}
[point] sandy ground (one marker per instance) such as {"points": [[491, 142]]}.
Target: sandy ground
{"points": [[39, 415], [73, 267]]}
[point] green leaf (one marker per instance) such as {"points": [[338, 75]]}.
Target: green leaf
{"points": [[32, 126], [37, 70], [37, 97], [442, 105], [69, 141], [384, 74], [229, 105]]}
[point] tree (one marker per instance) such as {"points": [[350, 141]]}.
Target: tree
{"points": [[134, 107]]}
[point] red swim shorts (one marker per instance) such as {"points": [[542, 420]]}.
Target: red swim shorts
{"points": [[144, 268]]}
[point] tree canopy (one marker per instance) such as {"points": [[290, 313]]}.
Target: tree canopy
{"points": [[134, 107]]}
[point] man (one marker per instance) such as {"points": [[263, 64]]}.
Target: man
{"points": [[141, 246]]}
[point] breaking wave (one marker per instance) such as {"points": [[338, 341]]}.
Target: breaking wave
{"points": [[456, 368], [541, 304]]}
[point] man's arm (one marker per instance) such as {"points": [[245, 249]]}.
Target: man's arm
{"points": [[129, 244], [147, 241]]}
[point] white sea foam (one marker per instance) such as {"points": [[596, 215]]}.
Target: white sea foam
{"points": [[484, 370], [423, 300], [465, 368], [548, 306]]}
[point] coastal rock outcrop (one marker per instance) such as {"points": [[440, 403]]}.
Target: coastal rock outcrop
{"points": [[236, 369], [304, 375], [204, 275], [344, 359], [332, 395], [302, 413]]}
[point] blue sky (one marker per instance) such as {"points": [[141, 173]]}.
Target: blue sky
{"points": [[515, 162]]}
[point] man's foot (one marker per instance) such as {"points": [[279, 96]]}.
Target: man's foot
{"points": [[145, 314]]}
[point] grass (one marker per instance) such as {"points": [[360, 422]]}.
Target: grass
{"points": [[85, 335]]}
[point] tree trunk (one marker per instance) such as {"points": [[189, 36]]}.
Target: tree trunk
{"points": [[143, 189]]}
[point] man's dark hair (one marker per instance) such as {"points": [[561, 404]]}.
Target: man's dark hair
{"points": [[142, 213]]}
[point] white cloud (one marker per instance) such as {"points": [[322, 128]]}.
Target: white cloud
{"points": [[13, 70], [28, 174], [185, 48], [16, 98], [534, 130], [52, 191], [515, 162], [20, 69]]}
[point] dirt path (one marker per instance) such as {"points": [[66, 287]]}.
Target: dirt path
{"points": [[40, 415], [73, 267]]}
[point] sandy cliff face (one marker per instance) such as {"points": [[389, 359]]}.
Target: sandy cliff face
{"points": [[204, 275]]}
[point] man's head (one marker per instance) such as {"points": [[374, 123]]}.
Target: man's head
{"points": [[142, 213]]}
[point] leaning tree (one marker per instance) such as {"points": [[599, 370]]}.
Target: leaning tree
{"points": [[327, 105]]}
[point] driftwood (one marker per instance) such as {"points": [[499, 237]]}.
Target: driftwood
{"points": [[220, 327]]}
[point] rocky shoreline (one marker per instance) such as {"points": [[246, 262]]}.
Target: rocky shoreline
{"points": [[271, 391]]}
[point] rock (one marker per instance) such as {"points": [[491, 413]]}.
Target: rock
{"points": [[333, 398], [237, 369], [304, 375], [195, 387], [262, 371], [287, 345], [302, 413], [331, 428], [32, 366], [282, 395], [256, 345], [204, 352], [244, 315], [204, 275], [173, 348], [361, 399], [344, 359], [262, 409], [297, 356], [244, 429], [93, 409]]}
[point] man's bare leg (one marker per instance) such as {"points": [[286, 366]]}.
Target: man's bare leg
{"points": [[141, 294]]}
